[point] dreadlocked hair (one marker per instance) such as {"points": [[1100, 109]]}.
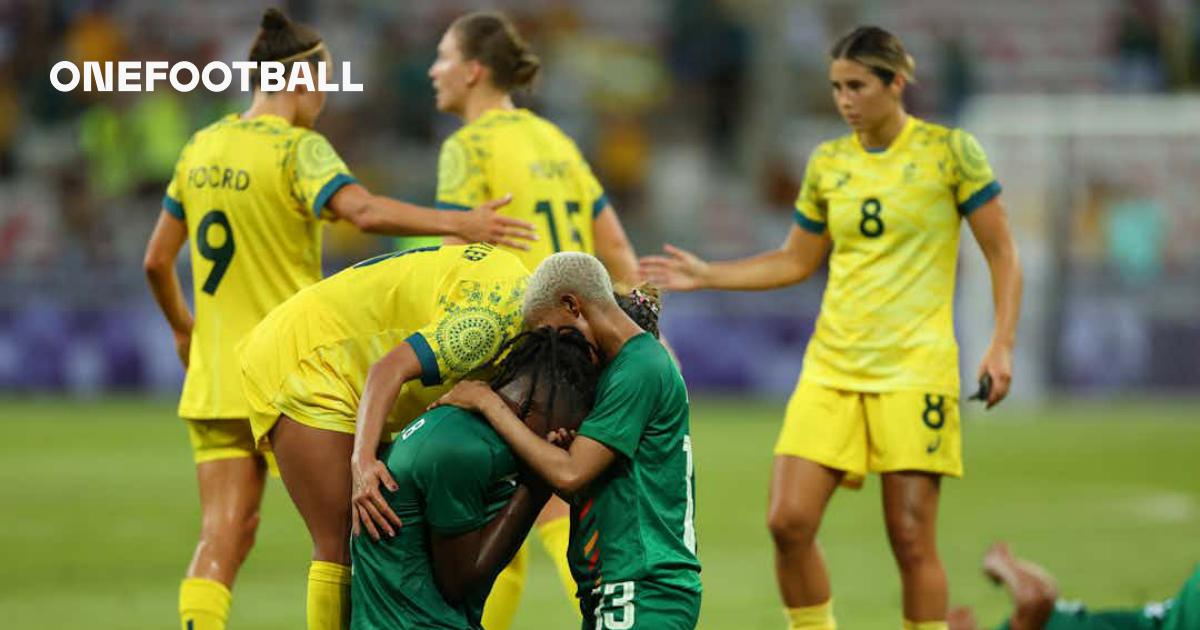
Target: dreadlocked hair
{"points": [[559, 358], [642, 304]]}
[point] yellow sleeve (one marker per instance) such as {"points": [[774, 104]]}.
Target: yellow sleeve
{"points": [[317, 172], [974, 183], [811, 209], [462, 183], [474, 318], [173, 201]]}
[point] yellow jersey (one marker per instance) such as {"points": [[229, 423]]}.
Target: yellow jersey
{"points": [[309, 358], [887, 320], [252, 193], [515, 151]]}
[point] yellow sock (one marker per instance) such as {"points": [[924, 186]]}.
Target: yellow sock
{"points": [[501, 606], [555, 536], [819, 617], [925, 625], [328, 596], [203, 604]]}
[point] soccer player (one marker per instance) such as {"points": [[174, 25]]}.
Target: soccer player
{"points": [[250, 192], [466, 507], [628, 471], [1036, 605], [501, 149], [879, 388], [368, 349]]}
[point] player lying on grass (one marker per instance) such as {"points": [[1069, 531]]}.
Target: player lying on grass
{"points": [[1036, 605], [629, 472], [464, 504]]}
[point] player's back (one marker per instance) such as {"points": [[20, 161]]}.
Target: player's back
{"points": [[454, 475], [404, 289], [247, 190], [515, 151], [454, 305]]}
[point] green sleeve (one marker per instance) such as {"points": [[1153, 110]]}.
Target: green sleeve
{"points": [[624, 404], [454, 476]]}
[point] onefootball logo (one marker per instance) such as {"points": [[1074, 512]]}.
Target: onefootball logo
{"points": [[217, 76]]}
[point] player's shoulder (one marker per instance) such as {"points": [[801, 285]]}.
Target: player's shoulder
{"points": [[640, 360], [451, 434], [931, 136], [841, 147]]}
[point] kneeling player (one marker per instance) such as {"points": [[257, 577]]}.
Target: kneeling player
{"points": [[465, 507]]}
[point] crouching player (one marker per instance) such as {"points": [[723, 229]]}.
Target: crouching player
{"points": [[465, 506]]}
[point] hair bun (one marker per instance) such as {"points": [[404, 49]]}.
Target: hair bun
{"points": [[274, 20], [526, 69]]}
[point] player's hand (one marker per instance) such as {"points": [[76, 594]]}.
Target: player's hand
{"points": [[371, 511], [183, 347], [562, 438], [484, 225], [997, 363], [469, 395], [678, 270]]}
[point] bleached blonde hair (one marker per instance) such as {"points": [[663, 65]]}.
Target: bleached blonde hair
{"points": [[567, 272]]}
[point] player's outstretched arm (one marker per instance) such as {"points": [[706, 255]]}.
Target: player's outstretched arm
{"points": [[384, 380], [614, 249], [567, 471], [383, 215], [989, 224], [797, 259], [165, 242], [464, 563], [1031, 588]]}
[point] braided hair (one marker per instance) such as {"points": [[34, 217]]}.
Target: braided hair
{"points": [[642, 304], [561, 359]]}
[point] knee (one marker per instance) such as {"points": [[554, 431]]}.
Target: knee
{"points": [[234, 533], [791, 526], [912, 542]]}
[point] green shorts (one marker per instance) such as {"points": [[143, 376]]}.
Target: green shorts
{"points": [[639, 605]]}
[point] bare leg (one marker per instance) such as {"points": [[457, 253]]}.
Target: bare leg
{"points": [[800, 490], [910, 503], [230, 496], [315, 467]]}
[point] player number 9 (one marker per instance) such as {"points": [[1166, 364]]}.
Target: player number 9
{"points": [[220, 256]]}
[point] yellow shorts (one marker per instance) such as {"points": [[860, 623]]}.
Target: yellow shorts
{"points": [[220, 439], [872, 432]]}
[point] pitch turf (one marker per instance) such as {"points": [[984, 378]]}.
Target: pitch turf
{"points": [[100, 515]]}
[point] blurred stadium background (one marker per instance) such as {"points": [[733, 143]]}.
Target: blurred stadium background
{"points": [[697, 116]]}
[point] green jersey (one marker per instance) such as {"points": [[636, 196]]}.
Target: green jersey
{"points": [[454, 475], [637, 520], [1179, 613]]}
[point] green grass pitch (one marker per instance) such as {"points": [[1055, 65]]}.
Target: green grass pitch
{"points": [[100, 516]]}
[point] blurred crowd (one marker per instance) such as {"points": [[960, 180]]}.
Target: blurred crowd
{"points": [[696, 114]]}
